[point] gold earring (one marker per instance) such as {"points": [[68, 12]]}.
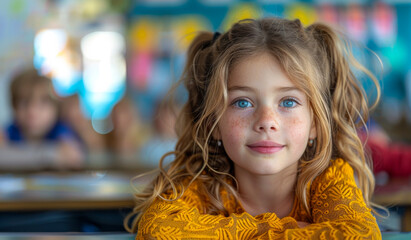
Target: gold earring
{"points": [[310, 142]]}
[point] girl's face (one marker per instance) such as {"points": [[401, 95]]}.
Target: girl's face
{"points": [[268, 122]]}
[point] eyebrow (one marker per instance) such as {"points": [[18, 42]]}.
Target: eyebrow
{"points": [[249, 89]]}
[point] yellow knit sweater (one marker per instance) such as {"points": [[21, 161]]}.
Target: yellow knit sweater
{"points": [[337, 208]]}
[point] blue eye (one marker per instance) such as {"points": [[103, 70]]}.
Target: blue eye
{"points": [[242, 103], [288, 103]]}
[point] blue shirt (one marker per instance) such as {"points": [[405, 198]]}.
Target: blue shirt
{"points": [[58, 132]]}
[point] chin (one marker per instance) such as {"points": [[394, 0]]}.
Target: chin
{"points": [[274, 169], [267, 171]]}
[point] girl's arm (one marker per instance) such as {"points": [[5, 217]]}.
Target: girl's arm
{"points": [[179, 220], [337, 206]]}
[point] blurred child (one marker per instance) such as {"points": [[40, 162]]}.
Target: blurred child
{"points": [[389, 157], [72, 114], [164, 137], [393, 158], [129, 133], [37, 138], [93, 143]]}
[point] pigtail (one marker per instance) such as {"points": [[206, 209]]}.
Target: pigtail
{"points": [[197, 155], [195, 74], [348, 102], [204, 160], [196, 78]]}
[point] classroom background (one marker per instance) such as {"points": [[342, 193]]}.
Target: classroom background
{"points": [[112, 63]]}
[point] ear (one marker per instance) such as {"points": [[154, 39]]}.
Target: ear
{"points": [[216, 133], [313, 130]]}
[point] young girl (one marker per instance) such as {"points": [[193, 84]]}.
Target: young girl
{"points": [[268, 147]]}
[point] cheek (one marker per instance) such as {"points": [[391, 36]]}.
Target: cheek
{"points": [[298, 129], [233, 130], [21, 116]]}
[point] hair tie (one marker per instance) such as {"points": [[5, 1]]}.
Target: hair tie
{"points": [[211, 42]]}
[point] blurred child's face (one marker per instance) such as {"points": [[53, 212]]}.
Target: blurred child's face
{"points": [[35, 112], [268, 122], [165, 121]]}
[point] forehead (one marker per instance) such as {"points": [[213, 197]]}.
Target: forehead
{"points": [[260, 70], [37, 90]]}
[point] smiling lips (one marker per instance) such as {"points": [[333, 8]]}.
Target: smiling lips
{"points": [[266, 147]]}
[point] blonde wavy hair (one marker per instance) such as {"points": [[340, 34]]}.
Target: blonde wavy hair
{"points": [[315, 58]]}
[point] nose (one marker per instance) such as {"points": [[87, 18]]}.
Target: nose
{"points": [[267, 120]]}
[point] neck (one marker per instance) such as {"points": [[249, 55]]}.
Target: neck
{"points": [[32, 138], [267, 193]]}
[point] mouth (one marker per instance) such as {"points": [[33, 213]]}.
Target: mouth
{"points": [[266, 147]]}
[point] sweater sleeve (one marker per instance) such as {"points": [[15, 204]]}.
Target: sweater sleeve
{"points": [[338, 211], [179, 220], [338, 208]]}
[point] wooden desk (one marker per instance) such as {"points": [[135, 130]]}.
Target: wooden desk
{"points": [[66, 191], [396, 192]]}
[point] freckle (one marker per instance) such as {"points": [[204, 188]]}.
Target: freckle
{"points": [[236, 123], [296, 121]]}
